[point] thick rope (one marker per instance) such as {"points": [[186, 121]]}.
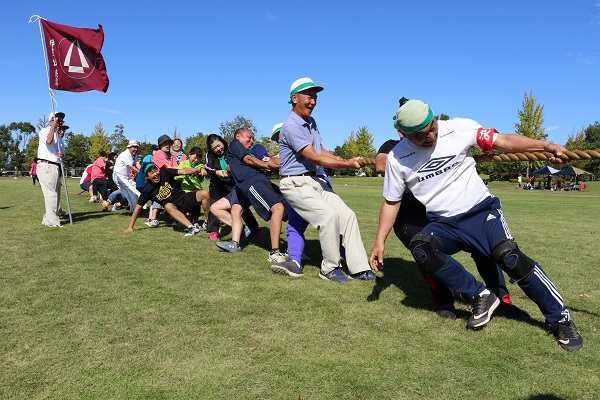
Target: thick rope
{"points": [[534, 156]]}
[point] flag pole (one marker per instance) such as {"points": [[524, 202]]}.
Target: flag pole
{"points": [[53, 103]]}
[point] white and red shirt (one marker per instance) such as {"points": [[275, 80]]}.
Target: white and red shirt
{"points": [[87, 175], [442, 177]]}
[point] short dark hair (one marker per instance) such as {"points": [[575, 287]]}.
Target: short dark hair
{"points": [[197, 151]]}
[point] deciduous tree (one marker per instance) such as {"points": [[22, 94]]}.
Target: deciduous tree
{"points": [[197, 140], [118, 141], [531, 124], [227, 128], [77, 152], [98, 142]]}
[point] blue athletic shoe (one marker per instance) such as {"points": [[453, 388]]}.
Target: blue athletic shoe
{"points": [[335, 276], [367, 275], [231, 247]]}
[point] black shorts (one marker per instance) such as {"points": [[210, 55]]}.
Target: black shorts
{"points": [[188, 203]]}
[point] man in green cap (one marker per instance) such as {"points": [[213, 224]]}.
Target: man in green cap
{"points": [[435, 164], [301, 153]]}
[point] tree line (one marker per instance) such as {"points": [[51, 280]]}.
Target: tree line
{"points": [[19, 143]]}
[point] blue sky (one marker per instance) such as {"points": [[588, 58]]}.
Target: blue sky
{"points": [[194, 64]]}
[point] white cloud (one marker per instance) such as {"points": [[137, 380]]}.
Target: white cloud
{"points": [[106, 110], [580, 58], [552, 128], [271, 17]]}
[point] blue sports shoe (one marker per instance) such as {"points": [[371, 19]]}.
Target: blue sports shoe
{"points": [[231, 247], [335, 276], [367, 275]]}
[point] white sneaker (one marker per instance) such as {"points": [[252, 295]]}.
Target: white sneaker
{"points": [[277, 257]]}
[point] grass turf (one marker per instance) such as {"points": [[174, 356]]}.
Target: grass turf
{"points": [[88, 311]]}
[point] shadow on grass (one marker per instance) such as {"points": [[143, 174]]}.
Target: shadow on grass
{"points": [[544, 396], [88, 215], [405, 275]]}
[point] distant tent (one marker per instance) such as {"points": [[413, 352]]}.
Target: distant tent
{"points": [[572, 171], [545, 171]]}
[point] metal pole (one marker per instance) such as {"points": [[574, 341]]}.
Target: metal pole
{"points": [[52, 103]]}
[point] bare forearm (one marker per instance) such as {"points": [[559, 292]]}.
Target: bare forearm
{"points": [[511, 143], [387, 217]]}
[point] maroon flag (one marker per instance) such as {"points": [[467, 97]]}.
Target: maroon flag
{"points": [[74, 58]]}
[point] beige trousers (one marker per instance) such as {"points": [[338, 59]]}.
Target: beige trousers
{"points": [[49, 177], [326, 211]]}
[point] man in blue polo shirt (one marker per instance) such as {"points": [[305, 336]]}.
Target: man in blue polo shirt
{"points": [[301, 153]]}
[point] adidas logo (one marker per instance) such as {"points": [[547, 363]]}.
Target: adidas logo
{"points": [[490, 217]]}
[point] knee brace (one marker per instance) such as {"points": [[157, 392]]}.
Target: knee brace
{"points": [[428, 252], [512, 261]]}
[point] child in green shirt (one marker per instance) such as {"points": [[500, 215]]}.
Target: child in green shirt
{"points": [[193, 183]]}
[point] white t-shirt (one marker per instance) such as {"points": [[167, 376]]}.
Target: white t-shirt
{"points": [[123, 160], [49, 151], [443, 178]]}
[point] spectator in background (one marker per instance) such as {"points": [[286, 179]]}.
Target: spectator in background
{"points": [[177, 151], [33, 171], [85, 183]]}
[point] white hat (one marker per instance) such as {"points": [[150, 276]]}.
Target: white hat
{"points": [[57, 114], [133, 143], [302, 84], [275, 131]]}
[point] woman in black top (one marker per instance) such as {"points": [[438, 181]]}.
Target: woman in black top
{"points": [[221, 182]]}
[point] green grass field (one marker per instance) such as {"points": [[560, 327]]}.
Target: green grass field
{"points": [[88, 311]]}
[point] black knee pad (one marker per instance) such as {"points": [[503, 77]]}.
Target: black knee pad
{"points": [[512, 261], [428, 252]]}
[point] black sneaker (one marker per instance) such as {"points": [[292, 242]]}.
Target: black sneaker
{"points": [[567, 335], [446, 314], [483, 307]]}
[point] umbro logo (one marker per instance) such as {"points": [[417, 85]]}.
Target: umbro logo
{"points": [[490, 217], [435, 167], [435, 163]]}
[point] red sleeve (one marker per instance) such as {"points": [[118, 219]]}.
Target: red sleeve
{"points": [[486, 138]]}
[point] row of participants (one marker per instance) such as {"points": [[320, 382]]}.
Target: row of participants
{"points": [[433, 199]]}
